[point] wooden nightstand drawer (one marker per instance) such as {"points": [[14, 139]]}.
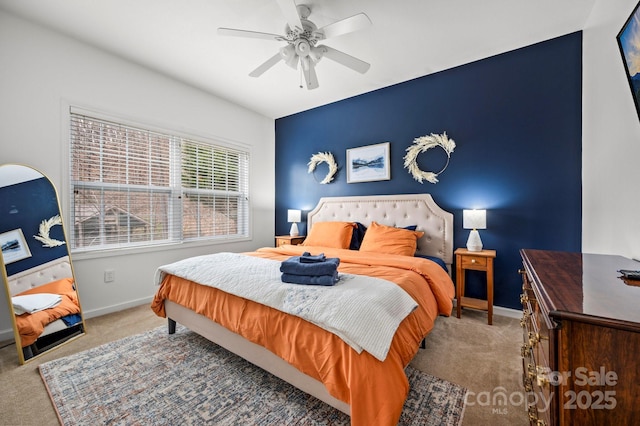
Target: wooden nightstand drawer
{"points": [[474, 262], [283, 240]]}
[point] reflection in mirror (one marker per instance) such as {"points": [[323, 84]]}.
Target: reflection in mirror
{"points": [[36, 266]]}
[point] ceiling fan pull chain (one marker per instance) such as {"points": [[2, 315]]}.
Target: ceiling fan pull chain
{"points": [[301, 77]]}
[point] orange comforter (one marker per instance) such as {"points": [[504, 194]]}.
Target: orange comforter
{"points": [[31, 326], [375, 390]]}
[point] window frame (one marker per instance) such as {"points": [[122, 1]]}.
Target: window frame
{"points": [[180, 242]]}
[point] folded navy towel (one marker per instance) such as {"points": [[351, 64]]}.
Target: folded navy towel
{"points": [[71, 319], [294, 266], [307, 257], [325, 280]]}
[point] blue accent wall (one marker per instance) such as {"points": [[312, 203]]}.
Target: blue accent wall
{"points": [[516, 119]]}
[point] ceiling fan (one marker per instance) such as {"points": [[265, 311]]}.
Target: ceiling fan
{"points": [[302, 37]]}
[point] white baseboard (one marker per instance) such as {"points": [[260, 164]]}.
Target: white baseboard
{"points": [[507, 312], [6, 334], [116, 308]]}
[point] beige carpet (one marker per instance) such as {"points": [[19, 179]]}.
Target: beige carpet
{"points": [[465, 351]]}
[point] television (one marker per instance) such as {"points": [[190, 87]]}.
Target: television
{"points": [[629, 43]]}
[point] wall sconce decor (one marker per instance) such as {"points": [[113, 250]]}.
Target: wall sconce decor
{"points": [[474, 220], [294, 216]]}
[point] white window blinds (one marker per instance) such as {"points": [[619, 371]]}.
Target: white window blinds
{"points": [[131, 187]]}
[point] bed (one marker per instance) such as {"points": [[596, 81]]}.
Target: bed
{"points": [[41, 330], [370, 388]]}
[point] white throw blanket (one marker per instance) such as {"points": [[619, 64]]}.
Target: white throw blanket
{"points": [[363, 311], [31, 303]]}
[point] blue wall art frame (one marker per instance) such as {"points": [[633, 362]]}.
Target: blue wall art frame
{"points": [[368, 163]]}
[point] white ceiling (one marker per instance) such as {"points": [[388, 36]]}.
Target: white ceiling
{"points": [[408, 39]]}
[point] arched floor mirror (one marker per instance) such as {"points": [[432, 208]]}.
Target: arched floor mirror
{"points": [[36, 264]]}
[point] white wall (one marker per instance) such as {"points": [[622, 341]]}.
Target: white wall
{"points": [[610, 140], [41, 73]]}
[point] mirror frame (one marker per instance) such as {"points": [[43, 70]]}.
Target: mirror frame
{"points": [[6, 278]]}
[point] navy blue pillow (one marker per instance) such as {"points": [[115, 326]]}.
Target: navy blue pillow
{"points": [[357, 236], [435, 259]]}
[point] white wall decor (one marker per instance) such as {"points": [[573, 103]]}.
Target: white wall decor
{"points": [[422, 144], [324, 157]]}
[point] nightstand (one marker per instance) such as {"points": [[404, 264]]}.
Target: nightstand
{"points": [[282, 240], [475, 261]]}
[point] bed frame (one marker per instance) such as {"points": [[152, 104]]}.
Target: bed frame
{"points": [[392, 210]]}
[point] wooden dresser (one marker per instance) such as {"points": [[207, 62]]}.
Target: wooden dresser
{"points": [[581, 349]]}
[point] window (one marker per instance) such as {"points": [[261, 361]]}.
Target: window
{"points": [[136, 187]]}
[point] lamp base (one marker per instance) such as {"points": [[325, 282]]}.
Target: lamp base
{"points": [[474, 243], [294, 230]]}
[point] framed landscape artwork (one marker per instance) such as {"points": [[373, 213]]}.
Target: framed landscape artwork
{"points": [[629, 43], [14, 246], [368, 163]]}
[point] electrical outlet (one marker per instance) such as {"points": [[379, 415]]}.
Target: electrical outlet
{"points": [[109, 275]]}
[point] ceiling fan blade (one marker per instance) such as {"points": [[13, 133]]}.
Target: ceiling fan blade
{"points": [[309, 71], [248, 34], [344, 59], [266, 65], [290, 12], [346, 25]]}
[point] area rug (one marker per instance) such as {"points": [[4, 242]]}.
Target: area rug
{"points": [[159, 379]]}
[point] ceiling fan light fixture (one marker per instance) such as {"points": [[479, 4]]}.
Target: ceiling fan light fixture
{"points": [[288, 54], [302, 47], [302, 37], [316, 53]]}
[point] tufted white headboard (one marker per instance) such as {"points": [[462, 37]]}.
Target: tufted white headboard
{"points": [[394, 210], [39, 275]]}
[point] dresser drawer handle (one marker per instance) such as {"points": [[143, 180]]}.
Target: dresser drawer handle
{"points": [[533, 416], [533, 413], [531, 371], [542, 376]]}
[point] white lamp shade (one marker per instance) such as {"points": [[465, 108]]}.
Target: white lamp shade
{"points": [[474, 219], [294, 215]]}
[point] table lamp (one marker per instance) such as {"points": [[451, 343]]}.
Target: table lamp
{"points": [[474, 220], [294, 217]]}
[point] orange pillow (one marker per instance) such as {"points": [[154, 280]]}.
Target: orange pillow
{"points": [[390, 240], [330, 234]]}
